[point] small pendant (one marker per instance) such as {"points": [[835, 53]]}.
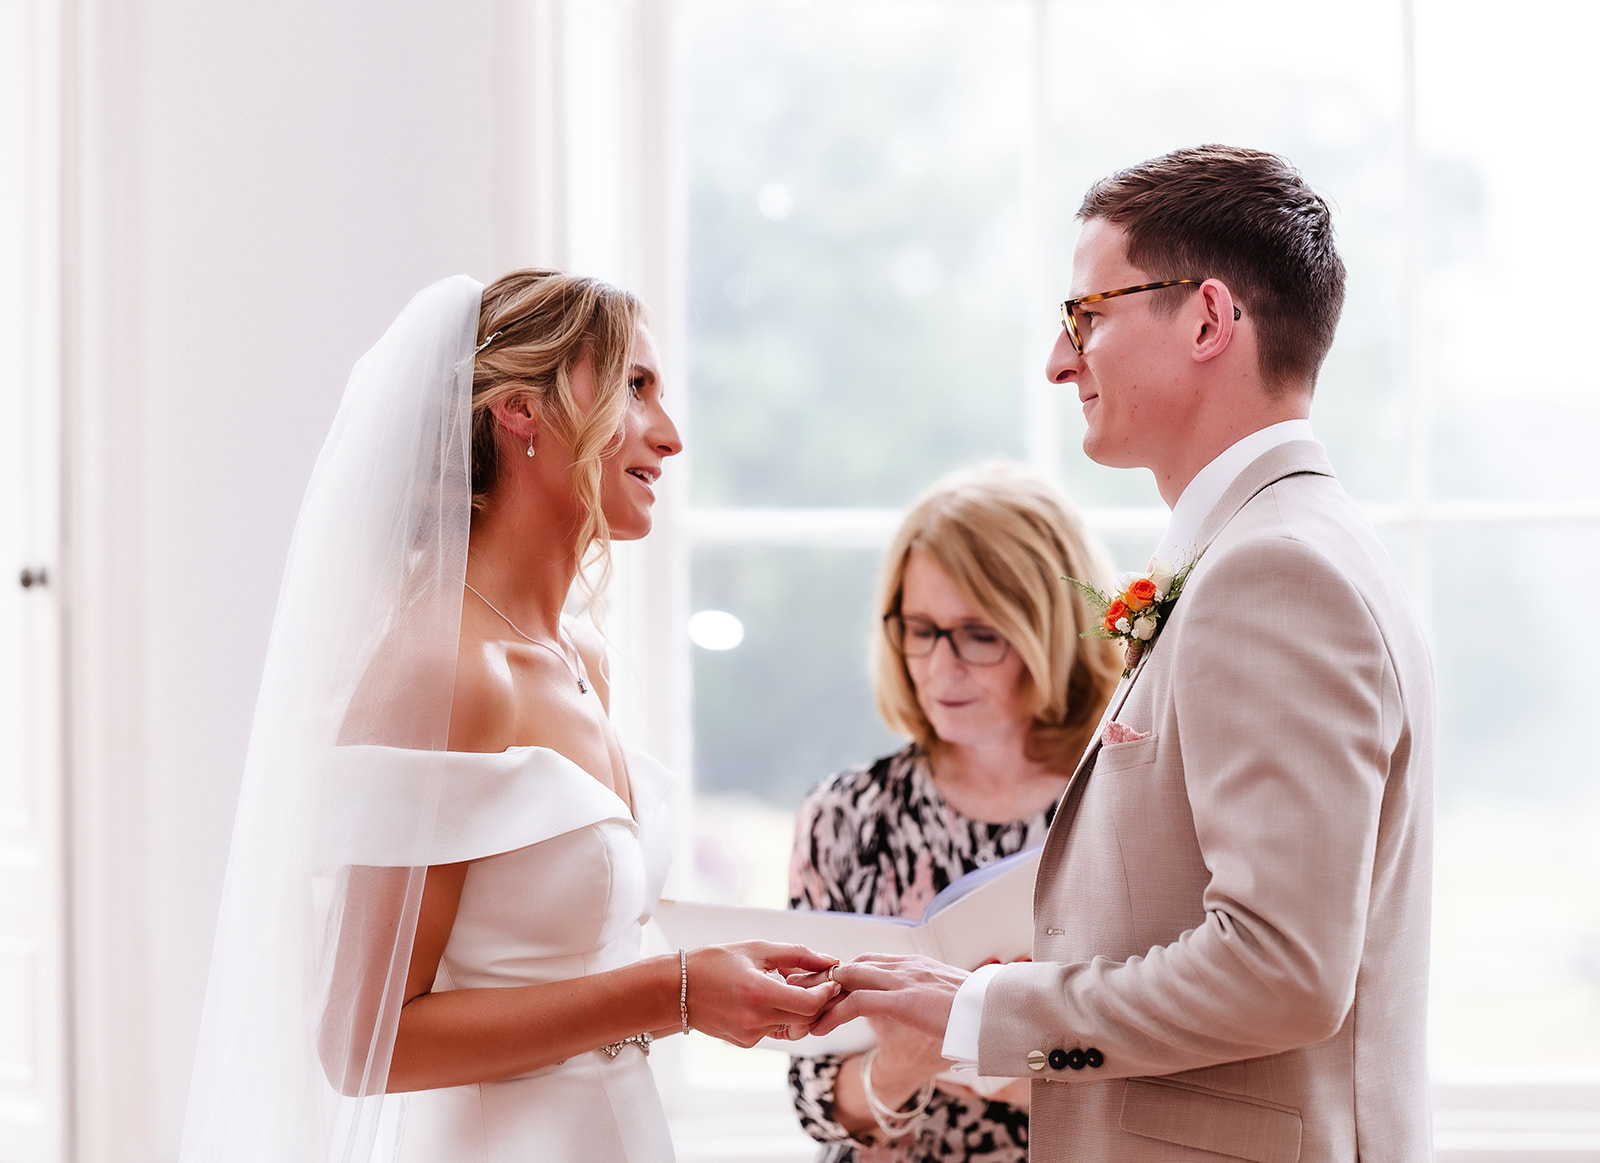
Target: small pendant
{"points": [[583, 687]]}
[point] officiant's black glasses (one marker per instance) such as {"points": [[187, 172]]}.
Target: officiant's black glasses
{"points": [[1069, 319], [973, 643]]}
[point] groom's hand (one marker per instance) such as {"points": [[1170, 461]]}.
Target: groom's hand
{"points": [[912, 991]]}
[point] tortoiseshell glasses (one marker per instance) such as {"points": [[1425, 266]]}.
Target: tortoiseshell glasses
{"points": [[1070, 321]]}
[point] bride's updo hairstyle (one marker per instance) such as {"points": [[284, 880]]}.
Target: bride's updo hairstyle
{"points": [[535, 326], [1006, 538]]}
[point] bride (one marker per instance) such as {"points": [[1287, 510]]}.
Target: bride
{"points": [[443, 855]]}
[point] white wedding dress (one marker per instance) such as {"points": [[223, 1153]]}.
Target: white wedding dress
{"points": [[563, 879], [291, 1061]]}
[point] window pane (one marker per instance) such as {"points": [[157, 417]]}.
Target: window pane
{"points": [[854, 258], [1324, 91], [1517, 930], [792, 702], [1510, 248]]}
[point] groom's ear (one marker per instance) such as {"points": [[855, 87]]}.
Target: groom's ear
{"points": [[1214, 314]]}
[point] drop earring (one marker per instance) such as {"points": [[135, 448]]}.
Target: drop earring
{"points": [[530, 448]]}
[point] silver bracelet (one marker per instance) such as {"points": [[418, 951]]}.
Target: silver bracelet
{"points": [[640, 1040], [893, 1123], [683, 988]]}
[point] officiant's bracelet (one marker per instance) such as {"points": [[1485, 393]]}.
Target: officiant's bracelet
{"points": [[893, 1123]]}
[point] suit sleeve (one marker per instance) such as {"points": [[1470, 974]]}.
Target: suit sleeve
{"points": [[1281, 686]]}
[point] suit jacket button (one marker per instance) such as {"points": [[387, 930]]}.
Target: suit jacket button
{"points": [[1076, 1058], [1093, 1058], [1058, 1060], [1036, 1059]]}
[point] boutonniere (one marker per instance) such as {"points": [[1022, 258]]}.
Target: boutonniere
{"points": [[1135, 613]]}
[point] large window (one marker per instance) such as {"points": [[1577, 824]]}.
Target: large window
{"points": [[879, 201]]}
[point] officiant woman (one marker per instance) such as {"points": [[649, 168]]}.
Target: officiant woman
{"points": [[980, 663]]}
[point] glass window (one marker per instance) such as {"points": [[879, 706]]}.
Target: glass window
{"points": [[1517, 931], [1508, 241], [854, 303], [1325, 93], [880, 222], [799, 675]]}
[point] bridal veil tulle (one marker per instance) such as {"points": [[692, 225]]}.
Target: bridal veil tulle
{"points": [[292, 1063]]}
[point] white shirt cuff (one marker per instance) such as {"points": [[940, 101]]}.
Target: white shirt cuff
{"points": [[966, 1015]]}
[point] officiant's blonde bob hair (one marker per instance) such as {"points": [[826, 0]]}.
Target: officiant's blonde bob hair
{"points": [[1006, 537]]}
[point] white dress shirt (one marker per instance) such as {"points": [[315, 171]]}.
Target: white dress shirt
{"points": [[1177, 547]]}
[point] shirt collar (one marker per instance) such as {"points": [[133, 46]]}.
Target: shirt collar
{"points": [[1178, 546]]}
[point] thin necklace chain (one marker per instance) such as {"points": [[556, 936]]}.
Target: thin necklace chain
{"points": [[583, 685]]}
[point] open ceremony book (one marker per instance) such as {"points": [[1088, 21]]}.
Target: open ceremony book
{"points": [[986, 915]]}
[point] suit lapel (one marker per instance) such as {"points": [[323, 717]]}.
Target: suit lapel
{"points": [[1056, 838], [1291, 459], [1284, 460]]}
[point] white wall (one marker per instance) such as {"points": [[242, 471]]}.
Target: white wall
{"points": [[287, 175]]}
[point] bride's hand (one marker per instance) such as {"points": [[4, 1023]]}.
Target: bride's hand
{"points": [[739, 993]]}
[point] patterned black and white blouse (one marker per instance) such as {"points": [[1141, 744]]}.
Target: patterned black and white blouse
{"points": [[881, 839]]}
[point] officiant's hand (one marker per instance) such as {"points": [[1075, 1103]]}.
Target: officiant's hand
{"points": [[739, 992], [911, 991]]}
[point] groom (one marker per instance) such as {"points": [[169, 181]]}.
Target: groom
{"points": [[1230, 950]]}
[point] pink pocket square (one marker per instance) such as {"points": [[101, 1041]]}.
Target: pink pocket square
{"points": [[1119, 733]]}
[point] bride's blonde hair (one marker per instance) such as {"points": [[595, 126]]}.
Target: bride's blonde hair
{"points": [[534, 327]]}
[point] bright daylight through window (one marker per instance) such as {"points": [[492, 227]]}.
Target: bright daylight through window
{"points": [[879, 201]]}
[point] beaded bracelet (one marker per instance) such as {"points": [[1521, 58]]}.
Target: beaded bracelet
{"points": [[683, 988], [893, 1123]]}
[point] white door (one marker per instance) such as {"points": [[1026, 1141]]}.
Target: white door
{"points": [[33, 965]]}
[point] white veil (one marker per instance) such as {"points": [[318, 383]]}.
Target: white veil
{"points": [[318, 913]]}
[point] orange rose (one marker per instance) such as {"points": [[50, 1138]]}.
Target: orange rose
{"points": [[1141, 594], [1115, 612]]}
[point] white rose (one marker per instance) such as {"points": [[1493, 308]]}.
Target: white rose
{"points": [[1144, 629], [1124, 580], [1122, 625], [1161, 574]]}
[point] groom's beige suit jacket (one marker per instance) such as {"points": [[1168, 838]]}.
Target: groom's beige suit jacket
{"points": [[1231, 915]]}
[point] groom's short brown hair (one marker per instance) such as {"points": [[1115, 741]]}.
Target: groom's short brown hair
{"points": [[1249, 219]]}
